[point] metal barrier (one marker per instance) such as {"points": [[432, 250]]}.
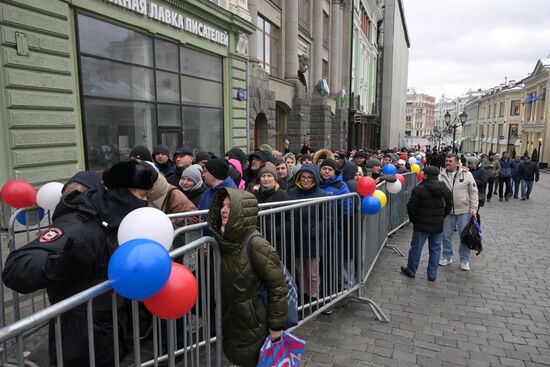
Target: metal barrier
{"points": [[329, 247]]}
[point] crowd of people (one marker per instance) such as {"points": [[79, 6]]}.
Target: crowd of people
{"points": [[73, 254]]}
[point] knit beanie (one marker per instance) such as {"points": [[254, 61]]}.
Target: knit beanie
{"points": [[161, 148], [130, 174], [90, 179], [265, 147], [202, 156], [472, 160], [330, 163], [238, 154], [218, 167], [140, 152], [194, 173], [431, 171], [268, 168], [373, 163]]}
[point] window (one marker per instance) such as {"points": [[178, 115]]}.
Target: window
{"points": [[137, 89], [304, 7], [489, 112], [326, 30], [495, 110], [514, 107], [365, 23], [501, 110], [268, 46]]}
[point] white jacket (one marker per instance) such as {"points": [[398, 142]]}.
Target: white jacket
{"points": [[464, 189]]}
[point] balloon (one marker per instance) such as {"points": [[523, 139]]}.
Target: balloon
{"points": [[424, 160], [371, 205], [420, 176], [177, 297], [18, 194], [366, 186], [48, 196], [403, 157], [148, 223], [33, 215], [412, 160], [139, 268], [381, 196], [389, 169], [400, 178], [419, 156], [401, 162], [418, 161], [393, 187], [415, 168]]}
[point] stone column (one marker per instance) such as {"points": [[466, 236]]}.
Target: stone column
{"points": [[317, 47], [253, 38], [335, 46], [291, 39]]}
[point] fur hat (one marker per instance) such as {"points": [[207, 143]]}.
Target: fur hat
{"points": [[322, 154], [130, 174]]}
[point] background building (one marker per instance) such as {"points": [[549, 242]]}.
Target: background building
{"points": [[419, 119]]}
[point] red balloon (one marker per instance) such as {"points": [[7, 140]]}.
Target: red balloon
{"points": [[177, 297], [424, 160], [403, 157], [401, 179], [366, 186], [18, 194], [420, 176]]}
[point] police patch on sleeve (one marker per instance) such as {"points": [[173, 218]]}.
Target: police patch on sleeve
{"points": [[51, 235]]}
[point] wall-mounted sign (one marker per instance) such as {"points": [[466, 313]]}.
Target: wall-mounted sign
{"points": [[241, 95], [173, 18]]}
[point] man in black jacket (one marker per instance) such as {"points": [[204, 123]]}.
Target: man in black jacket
{"points": [[430, 203], [527, 172], [73, 254]]}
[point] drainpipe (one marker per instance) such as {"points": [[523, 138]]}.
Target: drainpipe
{"points": [[350, 101]]}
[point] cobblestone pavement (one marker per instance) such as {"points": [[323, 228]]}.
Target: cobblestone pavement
{"points": [[498, 314]]}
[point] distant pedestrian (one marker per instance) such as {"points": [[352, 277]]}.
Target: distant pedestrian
{"points": [[481, 177], [505, 177], [161, 159], [216, 176], [191, 183], [517, 161], [528, 172], [428, 206], [283, 174], [463, 187], [183, 158], [256, 160], [492, 167]]}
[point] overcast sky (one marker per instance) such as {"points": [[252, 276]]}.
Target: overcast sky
{"points": [[458, 45]]}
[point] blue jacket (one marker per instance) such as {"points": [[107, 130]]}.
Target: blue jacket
{"points": [[515, 166], [506, 167], [337, 186], [208, 196]]}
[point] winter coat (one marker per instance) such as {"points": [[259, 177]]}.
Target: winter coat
{"points": [[515, 166], [174, 178], [348, 170], [70, 257], [195, 195], [481, 178], [506, 166], [492, 167], [529, 171], [428, 206], [464, 189], [206, 199], [310, 219], [336, 186], [245, 321]]}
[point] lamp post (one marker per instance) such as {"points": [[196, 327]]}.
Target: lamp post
{"points": [[455, 125], [540, 153]]}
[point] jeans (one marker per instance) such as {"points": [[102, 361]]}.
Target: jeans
{"points": [[490, 188], [434, 246], [526, 187], [501, 182], [516, 186], [452, 220]]}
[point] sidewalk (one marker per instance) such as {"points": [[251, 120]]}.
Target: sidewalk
{"points": [[498, 314]]}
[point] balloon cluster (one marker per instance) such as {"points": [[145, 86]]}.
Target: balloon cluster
{"points": [[415, 163], [374, 200], [141, 268]]}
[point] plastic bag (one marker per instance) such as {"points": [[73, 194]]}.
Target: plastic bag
{"points": [[472, 237], [284, 353]]}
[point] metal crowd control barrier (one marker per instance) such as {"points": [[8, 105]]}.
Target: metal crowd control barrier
{"points": [[327, 244]]}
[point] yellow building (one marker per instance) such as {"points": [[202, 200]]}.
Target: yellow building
{"points": [[535, 114]]}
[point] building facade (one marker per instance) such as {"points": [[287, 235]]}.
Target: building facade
{"points": [[84, 81], [420, 114], [535, 113]]}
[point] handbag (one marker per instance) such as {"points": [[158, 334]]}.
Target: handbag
{"points": [[286, 352], [472, 236]]}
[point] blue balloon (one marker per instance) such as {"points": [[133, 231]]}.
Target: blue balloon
{"points": [[32, 215], [371, 205], [139, 268], [389, 169], [418, 162]]}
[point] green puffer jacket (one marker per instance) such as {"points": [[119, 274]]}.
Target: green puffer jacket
{"points": [[245, 321]]}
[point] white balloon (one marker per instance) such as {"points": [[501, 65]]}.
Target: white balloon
{"points": [[394, 187], [401, 162], [48, 195], [412, 160], [149, 223]]}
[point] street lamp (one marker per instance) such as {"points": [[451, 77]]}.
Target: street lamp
{"points": [[462, 120]]}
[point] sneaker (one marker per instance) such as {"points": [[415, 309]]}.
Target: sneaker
{"points": [[522, 199], [527, 197], [445, 262], [431, 279], [465, 266]]}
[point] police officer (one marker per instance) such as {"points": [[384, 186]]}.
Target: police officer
{"points": [[72, 255]]}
